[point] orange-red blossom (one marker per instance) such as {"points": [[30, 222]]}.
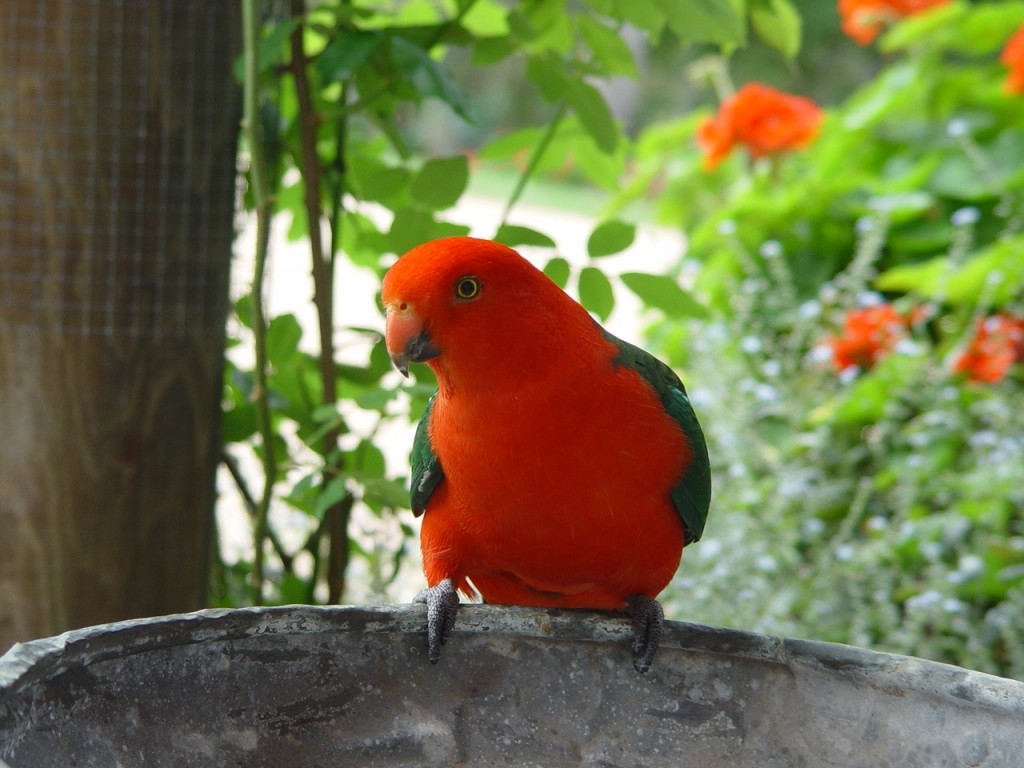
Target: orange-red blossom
{"points": [[1013, 58], [763, 120], [997, 345], [869, 334], [863, 20]]}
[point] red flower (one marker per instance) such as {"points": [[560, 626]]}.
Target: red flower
{"points": [[1013, 57], [762, 119], [863, 20], [869, 334], [997, 345]]}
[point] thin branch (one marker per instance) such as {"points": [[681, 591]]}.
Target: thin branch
{"points": [[252, 506], [323, 289], [535, 158], [264, 205]]}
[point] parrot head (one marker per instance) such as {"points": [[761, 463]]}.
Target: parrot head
{"points": [[471, 309]]}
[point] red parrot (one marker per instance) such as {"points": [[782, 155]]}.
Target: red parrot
{"points": [[556, 465]]}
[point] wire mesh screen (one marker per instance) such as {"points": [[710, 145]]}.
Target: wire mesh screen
{"points": [[113, 120]]}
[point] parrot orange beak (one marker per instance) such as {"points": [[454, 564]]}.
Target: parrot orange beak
{"points": [[407, 340]]}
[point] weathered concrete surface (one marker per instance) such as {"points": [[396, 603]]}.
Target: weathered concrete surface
{"points": [[305, 686]]}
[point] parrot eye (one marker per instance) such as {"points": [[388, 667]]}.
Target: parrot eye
{"points": [[467, 288]]}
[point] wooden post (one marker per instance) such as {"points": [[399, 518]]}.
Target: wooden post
{"points": [[118, 123]]}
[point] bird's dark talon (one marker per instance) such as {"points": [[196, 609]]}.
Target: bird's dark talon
{"points": [[442, 604], [648, 618]]}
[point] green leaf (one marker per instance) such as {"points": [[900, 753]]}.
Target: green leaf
{"points": [[283, 336], [558, 270], [779, 24], [555, 82], [375, 398], [987, 27], [931, 26], [292, 589], [643, 14], [441, 182], [548, 73], [429, 78], [491, 50], [513, 235], [366, 460], [359, 240], [996, 273], [608, 47], [898, 207], [486, 19], [372, 180], [333, 492], [243, 310], [379, 492], [705, 21], [965, 177], [593, 113], [866, 400], [961, 179], [412, 227], [346, 53], [604, 169], [610, 237], [542, 25], [596, 292], [662, 292], [238, 423], [271, 50]]}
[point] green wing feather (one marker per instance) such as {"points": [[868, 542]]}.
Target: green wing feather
{"points": [[426, 467], [691, 493]]}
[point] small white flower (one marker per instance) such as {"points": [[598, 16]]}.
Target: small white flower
{"points": [[771, 249], [907, 347], [958, 127], [822, 353], [952, 605], [869, 299], [965, 217], [813, 526], [877, 524], [736, 469], [864, 225], [752, 285], [766, 393], [971, 566], [710, 548], [809, 309], [701, 397], [845, 553], [751, 345], [924, 600]]}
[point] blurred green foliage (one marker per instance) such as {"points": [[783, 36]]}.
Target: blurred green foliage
{"points": [[881, 507]]}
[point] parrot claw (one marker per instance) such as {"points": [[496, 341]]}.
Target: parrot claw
{"points": [[442, 604], [648, 618]]}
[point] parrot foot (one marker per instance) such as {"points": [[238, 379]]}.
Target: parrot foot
{"points": [[648, 618], [442, 604]]}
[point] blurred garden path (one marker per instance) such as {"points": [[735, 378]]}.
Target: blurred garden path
{"points": [[289, 289]]}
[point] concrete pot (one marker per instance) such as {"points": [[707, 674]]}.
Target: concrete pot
{"points": [[350, 686]]}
